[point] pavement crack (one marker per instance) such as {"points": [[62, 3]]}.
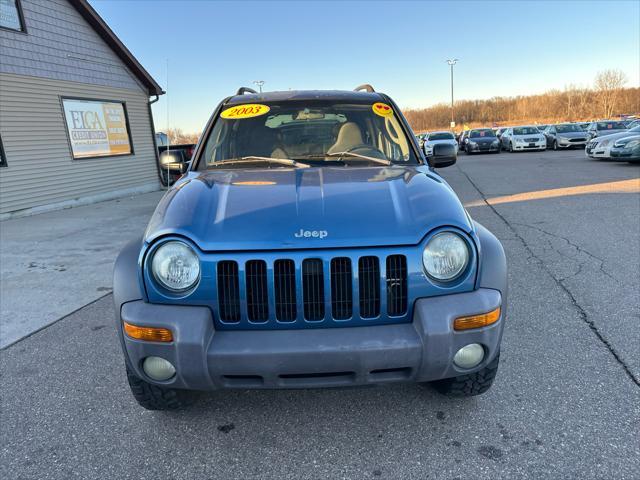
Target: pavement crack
{"points": [[582, 313], [578, 249]]}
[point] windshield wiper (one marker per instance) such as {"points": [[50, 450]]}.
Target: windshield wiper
{"points": [[254, 159], [355, 156]]}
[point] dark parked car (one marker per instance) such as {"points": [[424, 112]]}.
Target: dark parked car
{"points": [[626, 149], [565, 135], [481, 140], [310, 244], [173, 159], [605, 127]]}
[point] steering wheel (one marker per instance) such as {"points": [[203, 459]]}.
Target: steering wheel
{"points": [[368, 151]]}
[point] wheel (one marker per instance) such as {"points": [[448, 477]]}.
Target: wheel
{"points": [[471, 384], [499, 150], [511, 147], [153, 397], [555, 145]]}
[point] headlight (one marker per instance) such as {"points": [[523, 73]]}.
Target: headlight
{"points": [[632, 144], [472, 143], [175, 266], [603, 143], [446, 256], [495, 142]]}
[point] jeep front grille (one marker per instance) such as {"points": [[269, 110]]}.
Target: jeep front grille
{"points": [[284, 283], [341, 288], [312, 290], [396, 285], [257, 293], [369, 279], [228, 291]]}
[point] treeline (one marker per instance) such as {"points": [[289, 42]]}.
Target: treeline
{"points": [[606, 99]]}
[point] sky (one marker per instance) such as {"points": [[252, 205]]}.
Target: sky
{"points": [[202, 51]]}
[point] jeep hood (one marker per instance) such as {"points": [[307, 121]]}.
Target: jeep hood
{"points": [[266, 209]]}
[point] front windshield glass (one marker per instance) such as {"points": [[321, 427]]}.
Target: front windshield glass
{"points": [[569, 128], [485, 132], [313, 133], [441, 136], [526, 131], [611, 126]]}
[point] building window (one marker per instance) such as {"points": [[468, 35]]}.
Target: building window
{"points": [[3, 158], [11, 16], [97, 128]]}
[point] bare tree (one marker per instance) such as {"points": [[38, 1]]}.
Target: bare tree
{"points": [[572, 104], [608, 85], [177, 136]]}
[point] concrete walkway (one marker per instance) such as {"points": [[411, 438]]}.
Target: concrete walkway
{"points": [[54, 263]]}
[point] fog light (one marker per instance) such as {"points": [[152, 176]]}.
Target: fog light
{"points": [[469, 356], [158, 368]]}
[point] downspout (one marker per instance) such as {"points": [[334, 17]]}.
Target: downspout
{"points": [[153, 135]]}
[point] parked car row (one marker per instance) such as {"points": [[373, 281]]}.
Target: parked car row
{"points": [[613, 139], [621, 146]]}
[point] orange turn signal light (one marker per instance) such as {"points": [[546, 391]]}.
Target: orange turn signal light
{"points": [[477, 321], [150, 334]]}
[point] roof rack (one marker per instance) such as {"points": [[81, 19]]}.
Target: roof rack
{"points": [[243, 90], [364, 86]]}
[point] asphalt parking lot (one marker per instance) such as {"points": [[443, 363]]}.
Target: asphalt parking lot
{"points": [[565, 404]]}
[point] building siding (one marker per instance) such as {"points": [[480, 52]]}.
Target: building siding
{"points": [[61, 45], [41, 170]]}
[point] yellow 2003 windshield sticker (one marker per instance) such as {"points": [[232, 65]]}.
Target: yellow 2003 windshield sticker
{"points": [[245, 111], [382, 109]]}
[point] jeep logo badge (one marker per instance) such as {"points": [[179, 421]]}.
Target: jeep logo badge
{"points": [[311, 233]]}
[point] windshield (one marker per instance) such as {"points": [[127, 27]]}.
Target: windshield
{"points": [[611, 126], [526, 131], [485, 132], [441, 136], [316, 133], [569, 128]]}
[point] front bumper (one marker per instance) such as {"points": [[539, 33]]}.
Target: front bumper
{"points": [[624, 155], [517, 146], [597, 151], [206, 359], [483, 148], [568, 143]]}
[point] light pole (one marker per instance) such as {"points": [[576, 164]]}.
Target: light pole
{"points": [[259, 83], [452, 62]]}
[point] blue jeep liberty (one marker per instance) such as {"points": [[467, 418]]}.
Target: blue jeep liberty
{"points": [[309, 244]]}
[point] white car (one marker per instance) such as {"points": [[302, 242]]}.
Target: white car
{"points": [[517, 139], [433, 138], [600, 147]]}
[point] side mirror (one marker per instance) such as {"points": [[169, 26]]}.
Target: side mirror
{"points": [[174, 161], [444, 155]]}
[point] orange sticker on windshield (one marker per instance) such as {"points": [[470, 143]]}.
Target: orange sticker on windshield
{"points": [[382, 109], [245, 111]]}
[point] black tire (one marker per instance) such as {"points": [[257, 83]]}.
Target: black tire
{"points": [[555, 145], [499, 149], [471, 384], [153, 397], [511, 147]]}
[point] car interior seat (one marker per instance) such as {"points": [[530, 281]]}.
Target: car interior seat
{"points": [[349, 136]]}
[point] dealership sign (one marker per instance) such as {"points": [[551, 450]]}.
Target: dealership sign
{"points": [[97, 128]]}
